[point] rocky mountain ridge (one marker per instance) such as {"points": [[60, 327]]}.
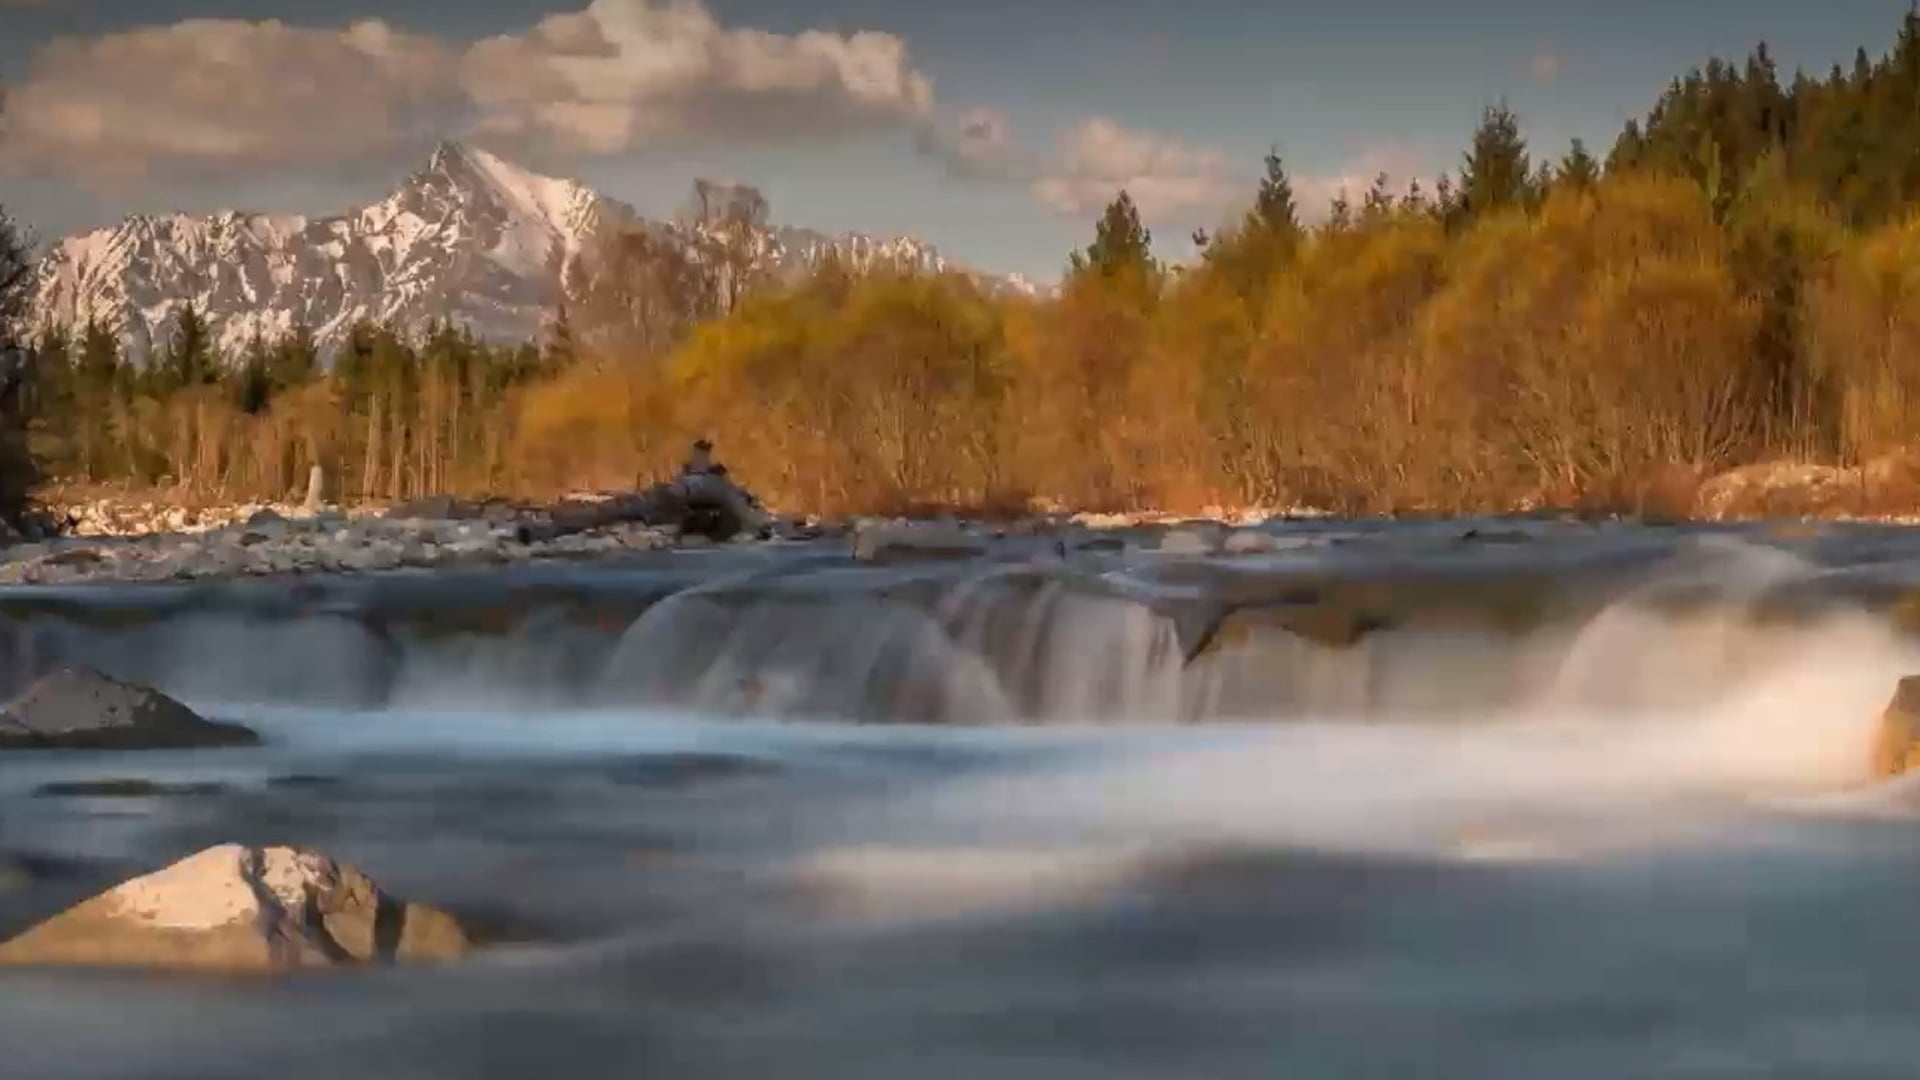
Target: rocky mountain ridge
{"points": [[471, 238]]}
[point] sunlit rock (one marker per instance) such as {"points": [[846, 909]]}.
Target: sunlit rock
{"points": [[80, 709], [234, 909], [1896, 747]]}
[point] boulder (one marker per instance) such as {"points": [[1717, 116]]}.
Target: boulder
{"points": [[717, 508], [80, 709], [242, 910], [263, 527], [909, 544], [1896, 746]]}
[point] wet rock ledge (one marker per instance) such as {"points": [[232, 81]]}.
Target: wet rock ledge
{"points": [[77, 708]]}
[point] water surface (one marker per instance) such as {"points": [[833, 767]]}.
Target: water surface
{"points": [[1554, 800]]}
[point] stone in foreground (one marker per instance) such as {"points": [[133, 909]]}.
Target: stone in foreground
{"points": [[242, 910], [78, 708], [1896, 747]]}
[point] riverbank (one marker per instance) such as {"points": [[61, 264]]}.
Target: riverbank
{"points": [[163, 536]]}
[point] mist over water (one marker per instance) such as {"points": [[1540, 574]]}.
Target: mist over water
{"points": [[1596, 807]]}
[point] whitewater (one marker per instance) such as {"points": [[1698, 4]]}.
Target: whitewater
{"points": [[1389, 800]]}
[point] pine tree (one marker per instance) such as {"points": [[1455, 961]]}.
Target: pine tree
{"points": [[294, 360], [1498, 172], [189, 360], [1578, 170], [16, 262], [1121, 246], [98, 380], [97, 370], [1274, 205], [252, 383], [1630, 149], [18, 471]]}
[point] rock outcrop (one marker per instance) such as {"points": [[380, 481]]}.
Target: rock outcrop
{"points": [[80, 709], [242, 910], [1896, 747]]}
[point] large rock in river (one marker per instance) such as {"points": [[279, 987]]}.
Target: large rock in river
{"points": [[1896, 747], [78, 708], [239, 910]]}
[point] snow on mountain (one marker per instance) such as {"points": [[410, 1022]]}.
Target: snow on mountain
{"points": [[471, 238]]}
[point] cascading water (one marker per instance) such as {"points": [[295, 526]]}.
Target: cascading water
{"points": [[1392, 811], [1065, 654], [1008, 644], [850, 657]]}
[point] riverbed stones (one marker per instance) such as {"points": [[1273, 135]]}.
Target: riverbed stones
{"points": [[77, 708], [1896, 747], [243, 910]]}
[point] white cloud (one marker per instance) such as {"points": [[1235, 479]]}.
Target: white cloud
{"points": [[216, 94], [223, 96], [1165, 177], [627, 73], [222, 93]]}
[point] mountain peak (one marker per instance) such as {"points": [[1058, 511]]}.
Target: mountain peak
{"points": [[448, 156], [480, 176], [473, 238], [463, 166]]}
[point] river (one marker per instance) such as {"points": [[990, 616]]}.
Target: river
{"points": [[1477, 800]]}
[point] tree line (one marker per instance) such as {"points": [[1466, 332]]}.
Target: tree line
{"points": [[1733, 282]]}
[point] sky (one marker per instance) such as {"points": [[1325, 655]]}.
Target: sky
{"points": [[996, 129]]}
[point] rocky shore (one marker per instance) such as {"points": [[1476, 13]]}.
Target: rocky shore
{"points": [[268, 542], [149, 541], [146, 539]]}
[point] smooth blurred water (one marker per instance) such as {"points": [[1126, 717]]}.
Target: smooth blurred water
{"points": [[809, 820]]}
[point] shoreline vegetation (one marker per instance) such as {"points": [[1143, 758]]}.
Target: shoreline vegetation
{"points": [[1722, 318]]}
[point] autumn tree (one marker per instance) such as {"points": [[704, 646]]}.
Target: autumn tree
{"points": [[727, 224], [639, 291]]}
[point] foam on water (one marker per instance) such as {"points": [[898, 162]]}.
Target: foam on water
{"points": [[1115, 893]]}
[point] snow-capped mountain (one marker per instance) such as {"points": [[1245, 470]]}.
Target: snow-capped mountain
{"points": [[471, 238]]}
